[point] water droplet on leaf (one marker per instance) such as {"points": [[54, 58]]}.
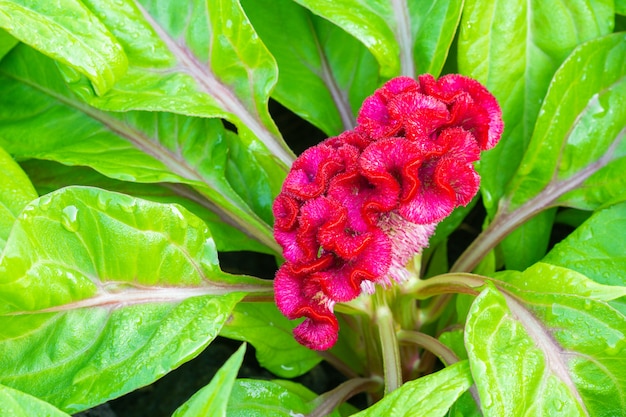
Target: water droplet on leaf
{"points": [[69, 218]]}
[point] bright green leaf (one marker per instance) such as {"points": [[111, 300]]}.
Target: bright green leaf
{"points": [[212, 400], [581, 123], [127, 289], [405, 37], [7, 42], [597, 249], [132, 146], [537, 353], [49, 176], [514, 47], [323, 77], [256, 398], [16, 191], [264, 327], [198, 58], [529, 242], [14, 403], [432, 395], [68, 32]]}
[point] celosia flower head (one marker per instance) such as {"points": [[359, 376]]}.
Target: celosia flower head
{"points": [[357, 207]]}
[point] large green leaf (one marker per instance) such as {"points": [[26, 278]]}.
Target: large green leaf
{"points": [[405, 37], [126, 289], [514, 47], [134, 146], [16, 191], [432, 395], [536, 353], [257, 398], [199, 58], [70, 33], [14, 403], [597, 248], [325, 75], [212, 400], [263, 326], [7, 42], [49, 176], [581, 124]]}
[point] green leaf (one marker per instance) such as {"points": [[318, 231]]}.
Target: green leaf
{"points": [[198, 58], [14, 403], [132, 146], [431, 395], [70, 33], [7, 42], [514, 47], [324, 76], [264, 327], [127, 289], [256, 398], [529, 242], [49, 176], [405, 37], [212, 400], [540, 353], [16, 191], [596, 248], [620, 7], [581, 123]]}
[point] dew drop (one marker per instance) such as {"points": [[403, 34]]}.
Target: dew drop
{"points": [[45, 202], [69, 218]]}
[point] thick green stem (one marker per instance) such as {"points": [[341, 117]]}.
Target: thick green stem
{"points": [[429, 343], [388, 343]]}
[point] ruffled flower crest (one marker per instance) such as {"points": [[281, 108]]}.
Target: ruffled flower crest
{"points": [[357, 207]]}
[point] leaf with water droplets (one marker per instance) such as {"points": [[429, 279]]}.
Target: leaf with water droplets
{"points": [[14, 403], [212, 400], [101, 293], [534, 353], [16, 191], [72, 34]]}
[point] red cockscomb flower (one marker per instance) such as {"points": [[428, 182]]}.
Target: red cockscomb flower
{"points": [[357, 207]]}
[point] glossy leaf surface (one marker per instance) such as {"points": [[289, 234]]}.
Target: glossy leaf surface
{"points": [[130, 146], [16, 191], [212, 400], [431, 395], [127, 289], [265, 328], [514, 47], [70, 33], [538, 352], [17, 404]]}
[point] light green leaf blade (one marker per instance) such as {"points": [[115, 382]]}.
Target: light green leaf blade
{"points": [[257, 398], [127, 289], [264, 327], [14, 403], [529, 242], [130, 146], [596, 248], [212, 400], [533, 354], [405, 37], [16, 191], [7, 42], [432, 395], [48, 176], [581, 123], [323, 77], [198, 58], [514, 48], [70, 33]]}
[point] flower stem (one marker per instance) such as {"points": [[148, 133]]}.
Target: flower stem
{"points": [[331, 399], [429, 343], [388, 343]]}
